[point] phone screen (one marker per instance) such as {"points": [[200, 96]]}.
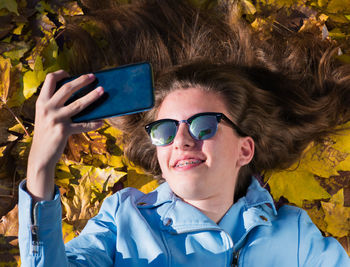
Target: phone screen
{"points": [[127, 89]]}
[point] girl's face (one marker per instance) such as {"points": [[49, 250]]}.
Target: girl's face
{"points": [[198, 170]]}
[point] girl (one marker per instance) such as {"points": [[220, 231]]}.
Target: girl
{"points": [[213, 129]]}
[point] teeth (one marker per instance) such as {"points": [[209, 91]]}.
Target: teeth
{"points": [[187, 162]]}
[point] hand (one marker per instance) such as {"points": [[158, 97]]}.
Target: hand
{"points": [[53, 125]]}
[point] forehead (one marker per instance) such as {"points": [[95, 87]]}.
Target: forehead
{"points": [[184, 103]]}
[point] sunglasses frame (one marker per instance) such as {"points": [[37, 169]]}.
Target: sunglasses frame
{"points": [[219, 116]]}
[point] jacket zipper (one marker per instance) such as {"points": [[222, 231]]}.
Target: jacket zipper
{"points": [[35, 231], [235, 259]]}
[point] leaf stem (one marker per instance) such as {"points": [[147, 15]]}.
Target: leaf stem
{"points": [[17, 119]]}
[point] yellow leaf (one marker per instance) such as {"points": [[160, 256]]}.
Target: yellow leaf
{"points": [[259, 24], [67, 232], [138, 179], [32, 79], [316, 214], [2, 149], [150, 186], [104, 178], [322, 3], [115, 161], [336, 215], [296, 186], [19, 28], [17, 129], [323, 17], [249, 8], [323, 160], [63, 174], [72, 9], [78, 203], [5, 67]]}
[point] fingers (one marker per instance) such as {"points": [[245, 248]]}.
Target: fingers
{"points": [[49, 85], [63, 93], [85, 126], [81, 103]]}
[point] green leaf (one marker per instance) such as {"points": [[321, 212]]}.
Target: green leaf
{"points": [[10, 5], [18, 51], [336, 33], [338, 6]]}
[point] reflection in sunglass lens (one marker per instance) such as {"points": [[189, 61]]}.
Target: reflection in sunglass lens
{"points": [[203, 127], [163, 133]]}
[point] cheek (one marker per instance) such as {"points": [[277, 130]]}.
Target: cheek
{"points": [[163, 156], [223, 153]]}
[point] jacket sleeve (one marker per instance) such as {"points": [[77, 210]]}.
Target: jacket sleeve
{"points": [[316, 250], [40, 234]]}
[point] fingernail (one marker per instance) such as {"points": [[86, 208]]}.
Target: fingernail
{"points": [[99, 90], [91, 75]]}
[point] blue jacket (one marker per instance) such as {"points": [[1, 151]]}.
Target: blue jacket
{"points": [[159, 229]]}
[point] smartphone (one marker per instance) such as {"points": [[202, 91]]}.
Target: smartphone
{"points": [[128, 89]]}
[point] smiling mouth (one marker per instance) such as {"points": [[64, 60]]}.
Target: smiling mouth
{"points": [[190, 162]]}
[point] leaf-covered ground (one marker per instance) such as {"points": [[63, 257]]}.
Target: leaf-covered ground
{"points": [[93, 166]]}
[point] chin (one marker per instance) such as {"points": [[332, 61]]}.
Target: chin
{"points": [[188, 187]]}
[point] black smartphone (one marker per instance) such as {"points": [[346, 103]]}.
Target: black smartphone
{"points": [[128, 89]]}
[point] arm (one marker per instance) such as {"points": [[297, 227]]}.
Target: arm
{"points": [[95, 246], [316, 250], [52, 128], [39, 206]]}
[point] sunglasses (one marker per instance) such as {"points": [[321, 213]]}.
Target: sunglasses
{"points": [[201, 126]]}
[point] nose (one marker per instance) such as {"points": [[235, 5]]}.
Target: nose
{"points": [[183, 139]]}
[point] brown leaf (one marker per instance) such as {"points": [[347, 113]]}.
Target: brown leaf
{"points": [[78, 204], [334, 183], [337, 216], [9, 224], [5, 70], [345, 242], [6, 25], [9, 251], [316, 213], [80, 145]]}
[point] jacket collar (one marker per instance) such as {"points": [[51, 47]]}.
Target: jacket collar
{"points": [[254, 209], [256, 196]]}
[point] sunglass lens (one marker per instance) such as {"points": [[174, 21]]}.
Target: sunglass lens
{"points": [[163, 133], [203, 127]]}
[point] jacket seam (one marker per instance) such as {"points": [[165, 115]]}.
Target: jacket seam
{"points": [[162, 232], [299, 233]]}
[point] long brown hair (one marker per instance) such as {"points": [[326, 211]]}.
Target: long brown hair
{"points": [[282, 114], [276, 111], [163, 32]]}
